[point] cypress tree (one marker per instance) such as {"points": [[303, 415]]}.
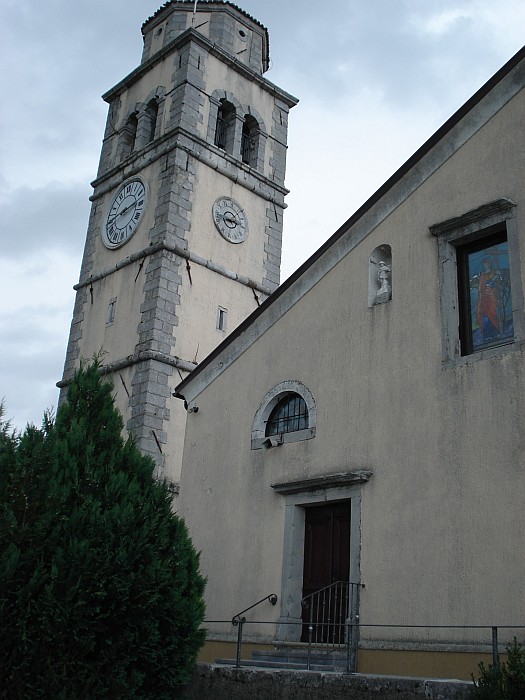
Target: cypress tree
{"points": [[100, 590]]}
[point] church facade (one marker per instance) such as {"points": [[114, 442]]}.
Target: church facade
{"points": [[365, 424]]}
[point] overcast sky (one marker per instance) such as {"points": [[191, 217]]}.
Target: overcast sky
{"points": [[375, 79]]}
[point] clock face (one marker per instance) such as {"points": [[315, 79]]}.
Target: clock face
{"points": [[124, 213], [230, 220]]}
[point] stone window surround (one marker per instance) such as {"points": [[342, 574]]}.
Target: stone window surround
{"points": [[250, 136], [259, 438], [226, 127], [454, 233], [128, 136], [221, 320]]}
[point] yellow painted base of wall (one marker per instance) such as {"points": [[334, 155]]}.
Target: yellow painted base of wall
{"points": [[422, 664], [213, 650]]}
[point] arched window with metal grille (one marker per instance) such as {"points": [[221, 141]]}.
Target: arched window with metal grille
{"points": [[128, 136], [288, 415], [225, 127], [151, 112], [250, 141]]}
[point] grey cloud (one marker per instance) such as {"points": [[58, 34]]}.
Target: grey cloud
{"points": [[381, 46], [31, 361], [53, 217], [28, 385], [60, 56]]}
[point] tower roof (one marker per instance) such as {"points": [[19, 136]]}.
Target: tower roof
{"points": [[203, 2], [190, 4]]}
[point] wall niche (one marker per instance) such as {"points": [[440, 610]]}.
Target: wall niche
{"points": [[380, 275]]}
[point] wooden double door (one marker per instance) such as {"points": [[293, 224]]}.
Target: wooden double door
{"points": [[326, 561]]}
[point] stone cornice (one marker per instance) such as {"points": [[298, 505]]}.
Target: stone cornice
{"points": [[360, 476], [498, 207], [183, 253], [135, 359], [137, 162], [198, 38]]}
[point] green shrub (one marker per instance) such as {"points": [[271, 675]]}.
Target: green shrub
{"points": [[504, 681], [100, 590]]}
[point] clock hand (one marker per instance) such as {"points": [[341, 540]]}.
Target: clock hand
{"points": [[230, 218], [123, 211], [112, 219]]}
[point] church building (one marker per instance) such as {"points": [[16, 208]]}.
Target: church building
{"points": [[356, 445], [350, 442]]}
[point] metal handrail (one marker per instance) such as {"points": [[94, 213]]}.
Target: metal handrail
{"points": [[239, 620], [334, 619], [492, 645], [304, 603]]}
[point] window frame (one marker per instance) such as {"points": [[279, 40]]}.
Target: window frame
{"points": [[284, 401], [225, 124], [493, 237], [151, 116], [250, 141], [259, 439], [128, 136], [455, 238], [222, 317]]}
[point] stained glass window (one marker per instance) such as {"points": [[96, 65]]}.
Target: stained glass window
{"points": [[485, 294]]}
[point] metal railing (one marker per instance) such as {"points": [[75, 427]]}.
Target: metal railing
{"points": [[238, 620], [247, 146], [220, 132], [333, 618], [350, 631]]}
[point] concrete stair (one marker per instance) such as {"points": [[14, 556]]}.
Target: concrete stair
{"points": [[292, 658]]}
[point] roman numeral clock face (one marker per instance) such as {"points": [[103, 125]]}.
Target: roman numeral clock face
{"points": [[230, 220], [124, 213]]}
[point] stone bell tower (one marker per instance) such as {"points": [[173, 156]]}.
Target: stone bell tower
{"points": [[184, 236]]}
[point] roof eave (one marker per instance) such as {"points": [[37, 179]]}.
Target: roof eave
{"points": [[421, 152]]}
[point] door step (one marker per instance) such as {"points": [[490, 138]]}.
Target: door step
{"points": [[295, 659]]}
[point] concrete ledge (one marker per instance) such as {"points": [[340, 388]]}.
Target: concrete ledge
{"points": [[212, 682]]}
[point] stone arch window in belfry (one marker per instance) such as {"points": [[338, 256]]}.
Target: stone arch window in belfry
{"points": [[128, 136], [225, 128], [288, 415], [152, 111], [249, 140]]}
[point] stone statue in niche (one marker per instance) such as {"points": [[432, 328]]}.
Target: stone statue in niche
{"points": [[380, 275], [384, 293]]}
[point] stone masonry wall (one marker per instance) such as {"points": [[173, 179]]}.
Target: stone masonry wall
{"points": [[225, 683]]}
